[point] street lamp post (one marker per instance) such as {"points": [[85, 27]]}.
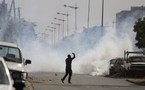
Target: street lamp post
{"points": [[51, 36], [58, 28], [88, 13], [102, 21], [67, 15], [53, 28], [74, 7], [62, 20], [13, 2]]}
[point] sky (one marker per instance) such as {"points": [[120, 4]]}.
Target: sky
{"points": [[43, 12]]}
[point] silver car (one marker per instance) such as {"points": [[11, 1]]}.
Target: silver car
{"points": [[6, 82]]}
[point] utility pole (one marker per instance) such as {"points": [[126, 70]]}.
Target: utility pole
{"points": [[67, 15], [62, 20], [3, 9], [102, 21], [52, 41], [19, 13], [52, 29], [12, 7], [75, 17], [88, 13], [58, 28], [75, 8], [13, 2]]}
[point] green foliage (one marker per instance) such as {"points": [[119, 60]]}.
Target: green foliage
{"points": [[139, 28]]}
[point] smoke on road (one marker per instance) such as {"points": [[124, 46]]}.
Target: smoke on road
{"points": [[93, 51]]}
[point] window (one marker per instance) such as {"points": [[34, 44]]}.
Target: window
{"points": [[11, 53], [3, 75], [137, 59]]}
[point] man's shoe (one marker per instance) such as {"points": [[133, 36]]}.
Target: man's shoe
{"points": [[62, 80], [69, 82]]}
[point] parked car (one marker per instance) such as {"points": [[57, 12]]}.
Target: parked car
{"points": [[6, 82], [135, 64], [15, 62], [116, 66], [112, 68]]}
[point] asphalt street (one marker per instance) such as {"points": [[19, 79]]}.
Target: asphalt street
{"points": [[52, 81]]}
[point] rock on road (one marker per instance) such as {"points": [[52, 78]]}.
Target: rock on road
{"points": [[52, 81]]}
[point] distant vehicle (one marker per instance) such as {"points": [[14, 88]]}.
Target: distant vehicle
{"points": [[112, 68], [6, 82], [116, 66], [134, 64], [15, 62]]}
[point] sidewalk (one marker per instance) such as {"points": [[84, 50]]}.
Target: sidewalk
{"points": [[140, 81]]}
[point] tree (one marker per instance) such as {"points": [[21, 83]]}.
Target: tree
{"points": [[139, 28]]}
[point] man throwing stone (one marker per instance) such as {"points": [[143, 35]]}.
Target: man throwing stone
{"points": [[68, 69]]}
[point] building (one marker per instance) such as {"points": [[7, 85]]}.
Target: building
{"points": [[127, 18]]}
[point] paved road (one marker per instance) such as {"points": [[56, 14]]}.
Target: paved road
{"points": [[51, 81]]}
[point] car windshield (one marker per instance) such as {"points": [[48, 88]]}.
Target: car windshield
{"points": [[120, 61], [3, 75], [137, 59], [112, 61], [10, 54]]}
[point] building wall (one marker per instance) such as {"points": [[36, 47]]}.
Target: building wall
{"points": [[127, 18]]}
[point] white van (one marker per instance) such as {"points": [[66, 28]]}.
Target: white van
{"points": [[14, 60]]}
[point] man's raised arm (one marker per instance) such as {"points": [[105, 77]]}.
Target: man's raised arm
{"points": [[74, 56]]}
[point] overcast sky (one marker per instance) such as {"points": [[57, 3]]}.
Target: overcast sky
{"points": [[43, 12]]}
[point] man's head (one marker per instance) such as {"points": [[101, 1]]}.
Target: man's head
{"points": [[69, 56]]}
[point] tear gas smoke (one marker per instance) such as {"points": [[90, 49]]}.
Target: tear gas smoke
{"points": [[96, 61], [93, 51], [92, 54]]}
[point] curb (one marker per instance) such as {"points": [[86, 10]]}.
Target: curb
{"points": [[137, 81], [28, 86]]}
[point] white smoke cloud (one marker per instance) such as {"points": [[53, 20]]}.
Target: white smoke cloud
{"points": [[96, 61], [93, 60], [93, 52], [43, 58]]}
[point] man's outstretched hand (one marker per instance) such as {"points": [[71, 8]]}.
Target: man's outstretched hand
{"points": [[73, 53]]}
